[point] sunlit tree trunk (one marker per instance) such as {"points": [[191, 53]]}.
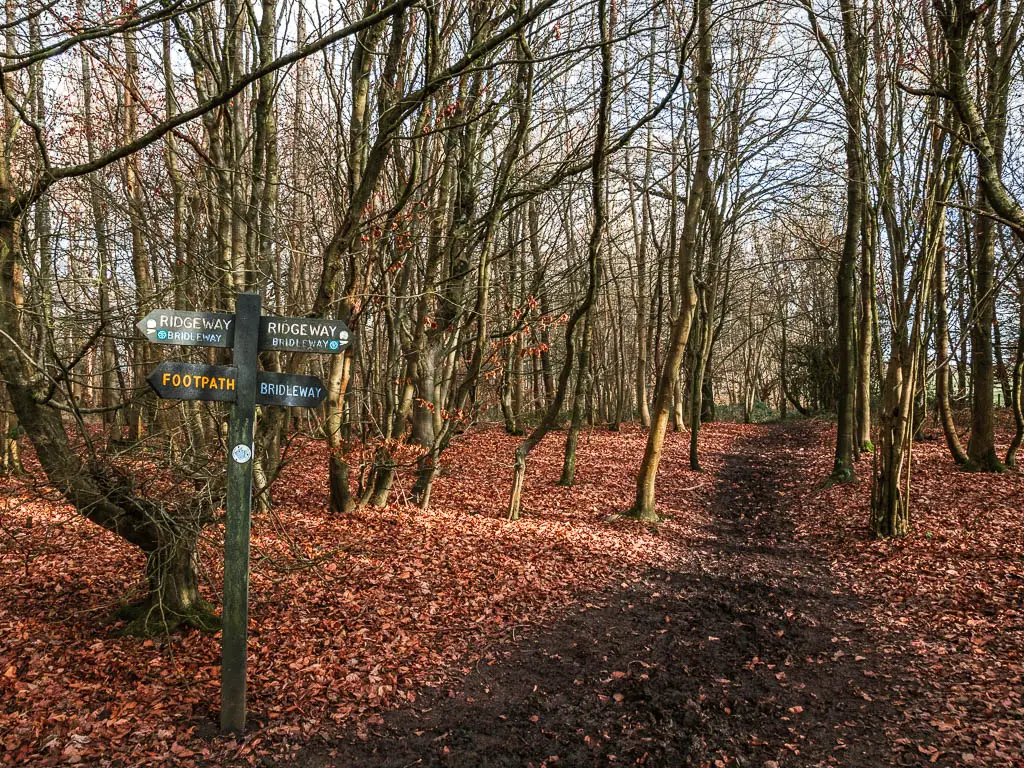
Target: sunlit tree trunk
{"points": [[942, 355], [598, 170], [865, 332], [668, 378]]}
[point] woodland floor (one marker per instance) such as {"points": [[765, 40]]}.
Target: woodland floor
{"points": [[757, 626]]}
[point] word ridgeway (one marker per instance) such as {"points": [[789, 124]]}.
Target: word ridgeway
{"points": [[319, 328], [194, 322], [188, 329]]}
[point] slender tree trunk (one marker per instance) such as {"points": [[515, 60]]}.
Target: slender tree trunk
{"points": [[942, 357], [10, 451], [140, 412], [1001, 370], [981, 447], [642, 326], [697, 392], [865, 333], [104, 263], [1016, 399], [854, 44], [511, 372], [579, 394], [668, 379], [598, 169]]}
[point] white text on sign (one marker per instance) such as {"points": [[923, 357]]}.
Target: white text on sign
{"points": [[290, 390], [293, 328]]}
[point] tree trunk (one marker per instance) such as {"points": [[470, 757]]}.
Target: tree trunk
{"points": [[10, 452], [890, 513], [168, 537], [854, 44], [173, 599], [981, 447], [598, 169], [337, 427], [1016, 399], [668, 379], [865, 333], [576, 423], [1001, 371], [942, 357]]}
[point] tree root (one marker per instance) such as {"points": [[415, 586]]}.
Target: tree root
{"points": [[641, 515], [839, 477], [991, 464], [150, 618]]}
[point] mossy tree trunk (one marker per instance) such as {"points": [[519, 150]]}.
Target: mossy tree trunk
{"points": [[173, 599], [984, 128], [1016, 399], [167, 536]]}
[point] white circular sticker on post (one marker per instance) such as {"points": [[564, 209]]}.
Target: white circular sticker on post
{"points": [[241, 453]]}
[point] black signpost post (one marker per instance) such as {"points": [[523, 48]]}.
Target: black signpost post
{"points": [[235, 613], [247, 333]]}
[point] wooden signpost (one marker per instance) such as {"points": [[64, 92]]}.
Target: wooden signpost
{"points": [[246, 332]]}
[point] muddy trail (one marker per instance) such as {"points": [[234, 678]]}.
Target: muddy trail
{"points": [[749, 656]]}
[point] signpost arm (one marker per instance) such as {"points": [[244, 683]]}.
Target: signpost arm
{"points": [[235, 617]]}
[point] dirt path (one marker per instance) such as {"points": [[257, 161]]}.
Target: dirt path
{"points": [[747, 658]]}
